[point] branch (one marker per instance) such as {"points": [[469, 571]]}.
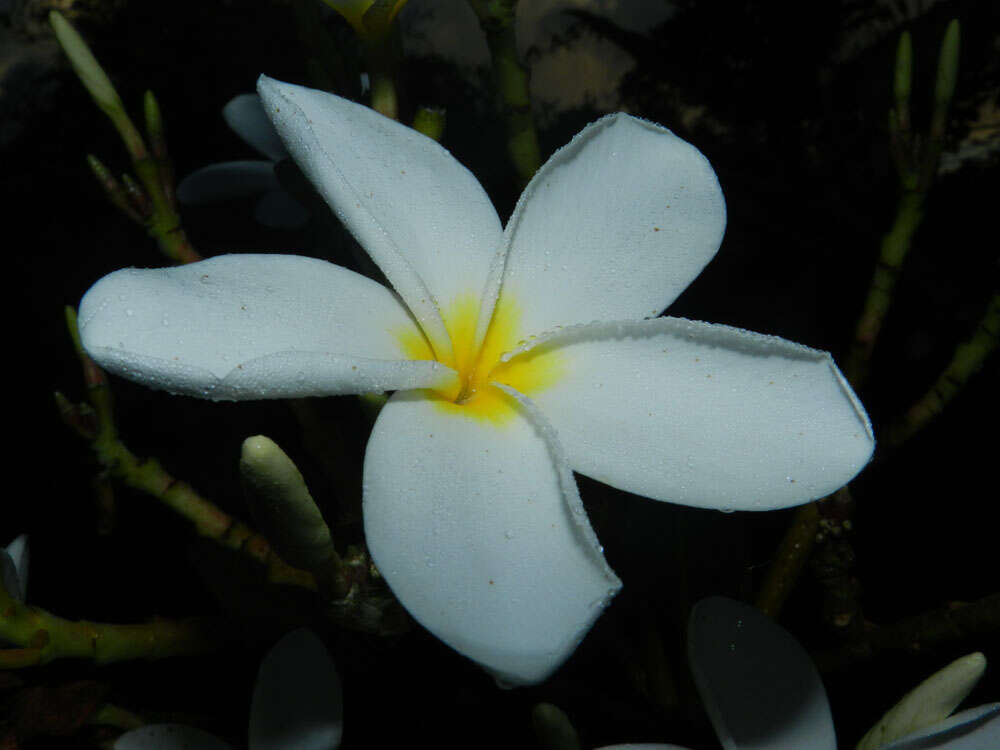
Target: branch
{"points": [[916, 156], [96, 424], [958, 620], [40, 637], [152, 205], [497, 20], [967, 360]]}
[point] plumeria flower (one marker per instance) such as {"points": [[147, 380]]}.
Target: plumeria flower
{"points": [[761, 690], [297, 703], [518, 356], [238, 179], [14, 566]]}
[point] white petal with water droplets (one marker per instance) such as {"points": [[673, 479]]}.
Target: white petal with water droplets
{"points": [[297, 701], [757, 683], [169, 737], [478, 528], [421, 215], [703, 415], [252, 326], [614, 226]]}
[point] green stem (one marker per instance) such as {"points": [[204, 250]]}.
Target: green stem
{"points": [[895, 246], [147, 475], [790, 559], [160, 217], [381, 52], [512, 80], [959, 620], [967, 360], [116, 716], [42, 637], [430, 122], [384, 100]]}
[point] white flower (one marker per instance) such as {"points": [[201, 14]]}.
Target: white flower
{"points": [[297, 703], [276, 208], [519, 355]]}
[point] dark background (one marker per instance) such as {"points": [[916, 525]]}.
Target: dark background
{"points": [[796, 130]]}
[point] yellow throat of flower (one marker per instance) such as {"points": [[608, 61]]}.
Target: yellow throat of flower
{"points": [[473, 395]]}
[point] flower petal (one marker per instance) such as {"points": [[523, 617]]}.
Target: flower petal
{"points": [[169, 737], [230, 179], [421, 215], [11, 583], [700, 414], [619, 221], [759, 686], [252, 326], [14, 559], [245, 115], [973, 729], [478, 528], [930, 702], [297, 701]]}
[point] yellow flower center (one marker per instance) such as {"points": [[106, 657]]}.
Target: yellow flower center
{"points": [[473, 395]]}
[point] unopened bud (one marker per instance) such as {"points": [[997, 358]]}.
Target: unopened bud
{"points": [[96, 82], [930, 702], [947, 73], [282, 506], [553, 729]]}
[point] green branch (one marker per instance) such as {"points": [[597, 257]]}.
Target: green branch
{"points": [[967, 360], [916, 156], [497, 20], [153, 205], [96, 424], [958, 620], [40, 637]]}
